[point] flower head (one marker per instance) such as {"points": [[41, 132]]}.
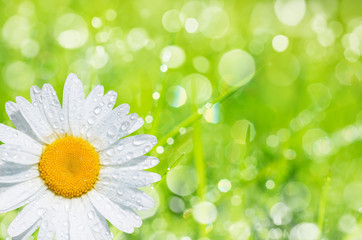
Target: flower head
{"points": [[71, 166]]}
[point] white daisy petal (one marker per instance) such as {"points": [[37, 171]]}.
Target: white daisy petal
{"points": [[12, 172], [130, 178], [25, 235], [96, 222], [112, 127], [126, 196], [121, 218], [34, 117], [18, 120], [139, 123], [91, 102], [140, 163], [53, 111], [73, 103], [37, 100], [35, 93], [49, 221], [12, 136], [10, 153], [77, 225], [17, 195], [30, 214], [97, 112], [128, 148], [94, 97], [62, 227]]}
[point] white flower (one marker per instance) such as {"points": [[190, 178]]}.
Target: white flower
{"points": [[72, 166]]}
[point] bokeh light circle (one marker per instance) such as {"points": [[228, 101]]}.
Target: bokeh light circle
{"points": [[179, 184], [19, 76], [280, 43], [171, 21], [236, 67], [176, 96], [296, 196], [290, 12], [71, 31], [137, 38], [224, 185], [173, 56], [304, 231], [16, 30], [30, 48], [201, 64], [281, 214], [205, 212], [97, 57], [198, 87], [176, 204], [214, 22]]}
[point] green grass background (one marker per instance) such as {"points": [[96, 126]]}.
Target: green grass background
{"points": [[275, 158]]}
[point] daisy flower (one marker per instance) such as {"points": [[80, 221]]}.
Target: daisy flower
{"points": [[71, 166]]}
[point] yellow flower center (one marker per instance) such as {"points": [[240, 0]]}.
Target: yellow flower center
{"points": [[69, 166]]}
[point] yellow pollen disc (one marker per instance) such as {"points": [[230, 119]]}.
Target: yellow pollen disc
{"points": [[69, 166]]}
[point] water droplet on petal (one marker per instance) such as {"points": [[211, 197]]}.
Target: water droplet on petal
{"points": [[90, 215], [148, 148], [91, 120], [98, 110], [125, 126], [110, 152], [138, 142], [134, 116], [120, 147], [112, 131]]}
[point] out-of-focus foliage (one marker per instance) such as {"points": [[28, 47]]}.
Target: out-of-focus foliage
{"points": [[256, 105]]}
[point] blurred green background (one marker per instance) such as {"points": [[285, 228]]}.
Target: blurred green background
{"points": [[256, 105]]}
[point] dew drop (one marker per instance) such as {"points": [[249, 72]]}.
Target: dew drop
{"points": [[44, 224], [154, 162], [138, 142], [148, 148], [120, 147], [125, 125], [90, 215], [134, 116], [112, 131], [120, 160], [110, 152], [98, 110], [129, 156], [113, 98], [91, 120]]}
